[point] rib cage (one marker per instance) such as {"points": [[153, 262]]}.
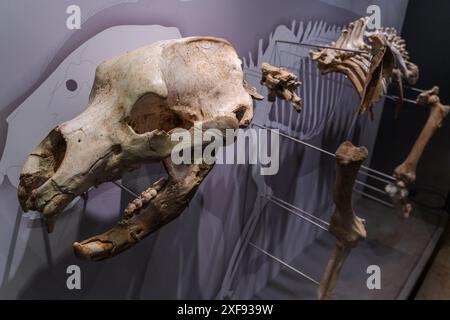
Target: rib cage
{"points": [[408, 70], [352, 64], [369, 59], [320, 94]]}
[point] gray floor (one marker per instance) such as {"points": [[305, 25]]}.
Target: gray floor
{"points": [[399, 247], [436, 285]]}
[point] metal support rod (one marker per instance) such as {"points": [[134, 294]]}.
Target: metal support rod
{"points": [[284, 263], [387, 204], [379, 173], [328, 153], [303, 44], [390, 97], [347, 50], [374, 177], [302, 211], [296, 213], [413, 89], [130, 192], [295, 140], [395, 98], [370, 187]]}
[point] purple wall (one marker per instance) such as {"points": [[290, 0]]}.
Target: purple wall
{"points": [[189, 257]]}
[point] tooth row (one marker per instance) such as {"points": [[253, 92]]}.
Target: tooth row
{"points": [[140, 201]]}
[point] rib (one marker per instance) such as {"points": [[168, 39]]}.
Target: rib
{"points": [[376, 59]]}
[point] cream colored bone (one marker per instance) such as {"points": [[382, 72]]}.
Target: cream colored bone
{"points": [[354, 60], [166, 200], [404, 68], [398, 192], [137, 101], [281, 83], [371, 60], [345, 226], [406, 172]]}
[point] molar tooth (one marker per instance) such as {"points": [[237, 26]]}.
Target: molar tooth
{"points": [[146, 196], [130, 208], [153, 193], [138, 202]]}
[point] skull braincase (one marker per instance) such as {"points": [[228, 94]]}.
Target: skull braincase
{"points": [[137, 100]]}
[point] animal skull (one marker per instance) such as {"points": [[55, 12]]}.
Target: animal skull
{"points": [[137, 100]]}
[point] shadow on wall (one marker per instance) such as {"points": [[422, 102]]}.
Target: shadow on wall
{"points": [[187, 258], [49, 280], [170, 264]]}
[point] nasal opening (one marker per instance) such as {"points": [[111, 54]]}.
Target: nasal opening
{"points": [[41, 165]]}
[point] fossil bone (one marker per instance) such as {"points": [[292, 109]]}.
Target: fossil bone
{"points": [[406, 172], [407, 69], [137, 101], [155, 207], [345, 226], [281, 83], [398, 192], [369, 59], [404, 68]]}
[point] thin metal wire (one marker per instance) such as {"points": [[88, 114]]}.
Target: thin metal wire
{"points": [[329, 154], [413, 89], [325, 222], [304, 275], [301, 210], [295, 139], [303, 44], [391, 97], [390, 205], [351, 129], [323, 77], [374, 177], [370, 187], [347, 50], [121, 186], [296, 213], [395, 98], [379, 173]]}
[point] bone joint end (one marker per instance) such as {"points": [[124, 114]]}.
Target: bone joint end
{"points": [[345, 226]]}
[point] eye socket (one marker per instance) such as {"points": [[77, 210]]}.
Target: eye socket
{"points": [[240, 112], [71, 85]]}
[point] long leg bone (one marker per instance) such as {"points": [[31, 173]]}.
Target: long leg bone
{"points": [[406, 172], [345, 226], [155, 207]]}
